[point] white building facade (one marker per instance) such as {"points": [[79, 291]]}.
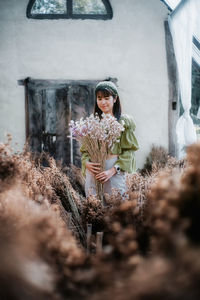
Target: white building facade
{"points": [[130, 47]]}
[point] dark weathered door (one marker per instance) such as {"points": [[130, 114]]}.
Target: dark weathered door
{"points": [[50, 107]]}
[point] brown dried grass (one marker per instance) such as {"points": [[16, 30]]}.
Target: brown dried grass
{"points": [[151, 241], [38, 235]]}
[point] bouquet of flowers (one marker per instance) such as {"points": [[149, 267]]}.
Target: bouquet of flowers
{"points": [[98, 137]]}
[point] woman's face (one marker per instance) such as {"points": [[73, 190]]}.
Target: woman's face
{"points": [[105, 102]]}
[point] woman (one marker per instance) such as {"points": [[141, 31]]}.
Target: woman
{"points": [[122, 157]]}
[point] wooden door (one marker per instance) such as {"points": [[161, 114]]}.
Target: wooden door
{"points": [[50, 105]]}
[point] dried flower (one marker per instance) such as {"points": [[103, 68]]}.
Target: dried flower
{"points": [[98, 137]]}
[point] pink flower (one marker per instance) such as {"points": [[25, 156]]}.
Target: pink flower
{"points": [[83, 130]]}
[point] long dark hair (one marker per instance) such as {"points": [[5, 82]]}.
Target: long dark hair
{"points": [[116, 106]]}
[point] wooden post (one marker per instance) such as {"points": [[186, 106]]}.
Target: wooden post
{"points": [[89, 233], [99, 239]]}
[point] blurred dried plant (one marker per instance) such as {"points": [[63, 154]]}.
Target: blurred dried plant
{"points": [[150, 240]]}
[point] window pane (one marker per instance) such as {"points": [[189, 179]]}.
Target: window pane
{"points": [[195, 108], [89, 7], [49, 7]]}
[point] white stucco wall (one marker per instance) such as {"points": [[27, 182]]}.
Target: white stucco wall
{"points": [[130, 47]]}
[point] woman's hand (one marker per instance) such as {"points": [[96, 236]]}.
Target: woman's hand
{"points": [[105, 175], [93, 167]]}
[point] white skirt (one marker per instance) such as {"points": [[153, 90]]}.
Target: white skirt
{"points": [[117, 181]]}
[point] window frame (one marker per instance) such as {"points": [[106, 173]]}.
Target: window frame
{"points": [[170, 8], [69, 14]]}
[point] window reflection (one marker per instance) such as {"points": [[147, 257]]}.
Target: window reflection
{"points": [[49, 7], [88, 7], [195, 107]]}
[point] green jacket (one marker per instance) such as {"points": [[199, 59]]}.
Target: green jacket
{"points": [[125, 148]]}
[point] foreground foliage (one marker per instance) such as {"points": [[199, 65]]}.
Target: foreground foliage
{"points": [[150, 241]]}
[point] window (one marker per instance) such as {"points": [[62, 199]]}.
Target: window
{"points": [[195, 99], [88, 7], [49, 7], [196, 50], [195, 102], [172, 4], [69, 9]]}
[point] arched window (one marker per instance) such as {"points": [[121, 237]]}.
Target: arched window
{"points": [[69, 9]]}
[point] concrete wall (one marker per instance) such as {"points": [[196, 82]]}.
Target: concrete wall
{"points": [[130, 47]]}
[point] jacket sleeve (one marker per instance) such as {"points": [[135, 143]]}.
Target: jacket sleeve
{"points": [[129, 144], [84, 158]]}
